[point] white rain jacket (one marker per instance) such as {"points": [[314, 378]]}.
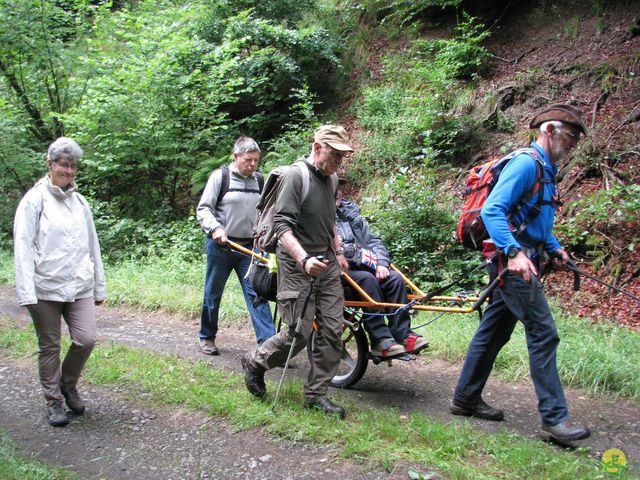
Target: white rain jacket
{"points": [[56, 249]]}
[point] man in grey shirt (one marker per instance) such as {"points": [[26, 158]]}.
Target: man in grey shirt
{"points": [[227, 211], [306, 230]]}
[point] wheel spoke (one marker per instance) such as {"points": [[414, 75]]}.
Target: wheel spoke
{"points": [[347, 358]]}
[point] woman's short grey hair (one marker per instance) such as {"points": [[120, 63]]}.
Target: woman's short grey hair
{"points": [[245, 145], [64, 147]]}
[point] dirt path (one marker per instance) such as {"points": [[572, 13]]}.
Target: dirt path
{"points": [[424, 386], [123, 439]]}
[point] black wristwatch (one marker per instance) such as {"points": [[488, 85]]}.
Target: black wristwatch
{"points": [[304, 262], [513, 251]]}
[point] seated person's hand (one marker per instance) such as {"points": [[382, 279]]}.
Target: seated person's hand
{"points": [[382, 272], [344, 265]]}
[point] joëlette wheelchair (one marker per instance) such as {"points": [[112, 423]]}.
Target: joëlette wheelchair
{"points": [[356, 349]]}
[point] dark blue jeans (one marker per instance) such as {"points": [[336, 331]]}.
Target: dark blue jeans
{"points": [[220, 261], [390, 290], [510, 303]]}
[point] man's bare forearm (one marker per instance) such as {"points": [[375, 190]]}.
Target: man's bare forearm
{"points": [[292, 246]]}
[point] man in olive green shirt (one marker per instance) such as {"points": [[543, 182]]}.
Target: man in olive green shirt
{"points": [[305, 228]]}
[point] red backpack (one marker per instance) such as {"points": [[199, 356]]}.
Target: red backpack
{"points": [[471, 231]]}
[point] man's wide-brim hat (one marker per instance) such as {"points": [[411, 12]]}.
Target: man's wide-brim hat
{"points": [[561, 112], [333, 135]]}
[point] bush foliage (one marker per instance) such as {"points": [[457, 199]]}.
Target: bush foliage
{"points": [[411, 136], [155, 93]]}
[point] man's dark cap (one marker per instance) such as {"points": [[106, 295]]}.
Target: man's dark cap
{"points": [[561, 112]]}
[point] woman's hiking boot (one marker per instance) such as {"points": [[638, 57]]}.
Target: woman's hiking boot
{"points": [[55, 413], [325, 405], [253, 378], [74, 402]]}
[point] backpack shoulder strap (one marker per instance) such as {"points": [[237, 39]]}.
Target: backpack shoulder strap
{"points": [[301, 164], [334, 183], [224, 186], [260, 177], [537, 189]]}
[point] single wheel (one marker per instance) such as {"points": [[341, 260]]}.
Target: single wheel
{"points": [[354, 357]]}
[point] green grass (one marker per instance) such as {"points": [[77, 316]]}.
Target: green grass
{"points": [[16, 466], [599, 358], [170, 284], [385, 436], [7, 275]]}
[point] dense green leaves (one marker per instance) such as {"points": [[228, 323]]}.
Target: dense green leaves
{"points": [[157, 93], [417, 225]]}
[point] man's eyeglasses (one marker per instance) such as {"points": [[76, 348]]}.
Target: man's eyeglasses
{"points": [[574, 136]]}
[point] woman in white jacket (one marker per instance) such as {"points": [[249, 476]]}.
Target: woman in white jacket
{"points": [[59, 273]]}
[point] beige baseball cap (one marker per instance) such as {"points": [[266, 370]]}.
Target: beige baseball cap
{"points": [[333, 135]]}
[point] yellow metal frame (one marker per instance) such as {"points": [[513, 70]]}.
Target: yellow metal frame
{"points": [[369, 302]]}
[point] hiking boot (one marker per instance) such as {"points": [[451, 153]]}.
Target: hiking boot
{"points": [[480, 410], [566, 432], [73, 400], [325, 405], [55, 414], [208, 347], [253, 378], [393, 350], [414, 343]]}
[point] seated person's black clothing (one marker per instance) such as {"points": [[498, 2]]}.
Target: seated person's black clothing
{"points": [[366, 254], [390, 290]]}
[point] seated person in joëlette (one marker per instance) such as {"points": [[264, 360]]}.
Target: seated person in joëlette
{"points": [[369, 267]]}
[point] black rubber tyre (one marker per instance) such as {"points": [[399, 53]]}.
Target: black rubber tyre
{"points": [[354, 358]]}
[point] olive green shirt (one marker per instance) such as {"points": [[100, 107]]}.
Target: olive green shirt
{"points": [[311, 220]]}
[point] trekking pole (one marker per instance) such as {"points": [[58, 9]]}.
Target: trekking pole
{"points": [[293, 342], [489, 289], [573, 267]]}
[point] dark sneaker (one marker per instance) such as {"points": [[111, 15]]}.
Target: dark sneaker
{"points": [[55, 414], [394, 350], [566, 432], [73, 400], [208, 347], [480, 410], [414, 343], [325, 406], [253, 378]]}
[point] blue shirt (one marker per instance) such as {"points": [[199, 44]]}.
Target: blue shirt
{"points": [[516, 179]]}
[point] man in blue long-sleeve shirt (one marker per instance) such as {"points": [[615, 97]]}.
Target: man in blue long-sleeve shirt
{"points": [[520, 296]]}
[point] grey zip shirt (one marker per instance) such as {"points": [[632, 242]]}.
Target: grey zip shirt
{"points": [[236, 212]]}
